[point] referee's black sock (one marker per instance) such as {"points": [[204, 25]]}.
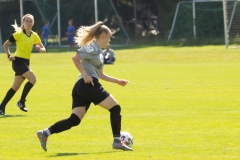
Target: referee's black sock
{"points": [[8, 97], [28, 86], [115, 119]]}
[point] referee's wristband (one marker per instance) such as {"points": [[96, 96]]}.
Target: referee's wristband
{"points": [[9, 56]]}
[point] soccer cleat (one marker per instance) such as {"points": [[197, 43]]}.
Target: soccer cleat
{"points": [[117, 144], [42, 136], [21, 105], [2, 112]]}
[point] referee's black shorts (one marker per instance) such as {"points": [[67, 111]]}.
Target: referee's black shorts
{"points": [[84, 93], [20, 66]]}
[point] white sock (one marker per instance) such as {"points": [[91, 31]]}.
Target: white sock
{"points": [[47, 131], [117, 138]]}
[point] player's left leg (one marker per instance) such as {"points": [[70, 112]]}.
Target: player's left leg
{"points": [[28, 86], [115, 118]]}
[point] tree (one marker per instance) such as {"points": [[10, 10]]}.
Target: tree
{"points": [[146, 10], [165, 14]]}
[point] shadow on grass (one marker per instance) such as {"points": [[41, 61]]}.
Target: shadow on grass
{"points": [[75, 154], [10, 116]]}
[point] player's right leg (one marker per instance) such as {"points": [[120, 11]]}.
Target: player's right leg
{"points": [[62, 125], [79, 109], [18, 80]]}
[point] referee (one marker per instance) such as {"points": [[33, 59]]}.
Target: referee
{"points": [[24, 38]]}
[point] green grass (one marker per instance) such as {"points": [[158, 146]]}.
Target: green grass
{"points": [[181, 103]]}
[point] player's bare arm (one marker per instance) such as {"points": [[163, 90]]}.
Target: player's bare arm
{"points": [[77, 62], [7, 51], [108, 78], [40, 47]]}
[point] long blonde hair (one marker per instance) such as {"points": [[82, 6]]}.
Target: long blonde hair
{"points": [[15, 26], [87, 34]]}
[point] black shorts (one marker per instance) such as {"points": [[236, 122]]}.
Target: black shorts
{"points": [[20, 66], [84, 93]]}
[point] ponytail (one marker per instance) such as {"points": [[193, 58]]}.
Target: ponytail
{"points": [[87, 34], [16, 28]]}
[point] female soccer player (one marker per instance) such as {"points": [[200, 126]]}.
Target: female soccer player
{"points": [[24, 38], [89, 62]]}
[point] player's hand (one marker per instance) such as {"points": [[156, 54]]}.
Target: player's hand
{"points": [[37, 47], [41, 50], [11, 58], [88, 79], [123, 82]]}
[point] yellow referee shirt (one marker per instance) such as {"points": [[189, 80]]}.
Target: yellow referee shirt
{"points": [[25, 43]]}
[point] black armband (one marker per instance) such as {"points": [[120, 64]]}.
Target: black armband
{"points": [[11, 39]]}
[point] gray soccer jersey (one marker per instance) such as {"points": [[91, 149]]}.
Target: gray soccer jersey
{"points": [[92, 59]]}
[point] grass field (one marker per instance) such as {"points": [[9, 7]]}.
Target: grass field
{"points": [[182, 103]]}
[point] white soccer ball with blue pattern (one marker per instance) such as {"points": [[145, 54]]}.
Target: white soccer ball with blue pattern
{"points": [[127, 138]]}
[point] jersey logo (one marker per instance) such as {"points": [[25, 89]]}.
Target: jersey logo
{"points": [[101, 57], [89, 49]]}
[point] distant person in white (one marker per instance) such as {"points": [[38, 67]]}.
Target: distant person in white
{"points": [[109, 56]]}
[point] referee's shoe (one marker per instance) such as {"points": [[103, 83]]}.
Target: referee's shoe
{"points": [[22, 106], [2, 110]]}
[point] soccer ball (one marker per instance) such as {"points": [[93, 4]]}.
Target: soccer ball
{"points": [[127, 138]]}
